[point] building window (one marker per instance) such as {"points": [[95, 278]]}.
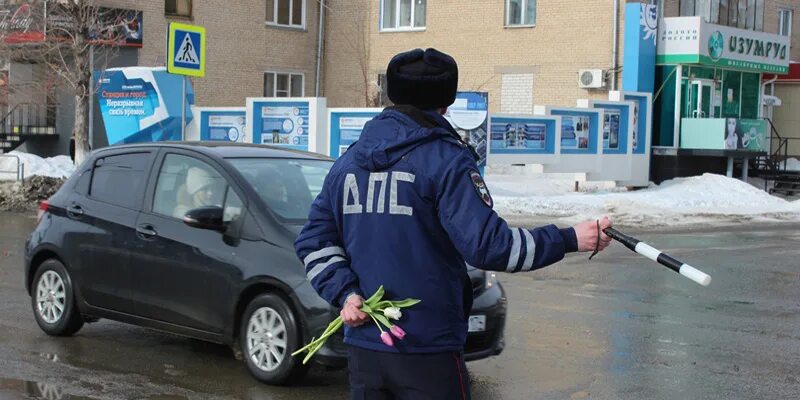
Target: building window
{"points": [[785, 22], [520, 12], [291, 13], [283, 84], [179, 8], [403, 15], [745, 14]]}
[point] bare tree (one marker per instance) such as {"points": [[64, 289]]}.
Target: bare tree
{"points": [[69, 29], [353, 31]]}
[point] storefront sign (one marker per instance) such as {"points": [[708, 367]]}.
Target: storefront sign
{"points": [[141, 104], [690, 40], [639, 57]]}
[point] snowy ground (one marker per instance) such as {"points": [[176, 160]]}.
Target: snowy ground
{"points": [[699, 200], [56, 167]]}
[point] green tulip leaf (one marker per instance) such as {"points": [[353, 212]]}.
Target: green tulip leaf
{"points": [[376, 297], [405, 303]]}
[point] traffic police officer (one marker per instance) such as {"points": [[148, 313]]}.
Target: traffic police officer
{"points": [[405, 207]]}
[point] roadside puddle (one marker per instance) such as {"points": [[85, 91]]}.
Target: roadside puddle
{"points": [[16, 389]]}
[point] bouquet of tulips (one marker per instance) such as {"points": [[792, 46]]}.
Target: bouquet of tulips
{"points": [[381, 311]]}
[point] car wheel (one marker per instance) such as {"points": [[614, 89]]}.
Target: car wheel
{"points": [[268, 335], [53, 300]]}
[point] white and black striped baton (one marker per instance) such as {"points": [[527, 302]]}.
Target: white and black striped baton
{"points": [[659, 257]]}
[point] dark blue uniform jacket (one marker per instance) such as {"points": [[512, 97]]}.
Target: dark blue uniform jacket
{"points": [[405, 207]]}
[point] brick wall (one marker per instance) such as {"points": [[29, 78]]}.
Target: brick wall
{"points": [[240, 46], [569, 35], [516, 96]]}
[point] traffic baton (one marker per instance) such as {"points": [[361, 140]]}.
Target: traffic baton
{"points": [[659, 256]]}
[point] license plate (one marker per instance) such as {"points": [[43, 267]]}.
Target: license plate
{"points": [[477, 323]]}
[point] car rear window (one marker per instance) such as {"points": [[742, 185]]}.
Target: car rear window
{"points": [[287, 186], [120, 179]]}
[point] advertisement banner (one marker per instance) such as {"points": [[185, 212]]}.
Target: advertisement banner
{"points": [[25, 23], [223, 124], [691, 40], [578, 131], [745, 134], [511, 135], [469, 115], [346, 125], [141, 104]]}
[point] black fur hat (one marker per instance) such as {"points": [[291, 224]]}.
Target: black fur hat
{"points": [[424, 79]]}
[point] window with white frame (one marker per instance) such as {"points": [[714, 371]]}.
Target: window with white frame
{"points": [[398, 15], [291, 13], [520, 12], [745, 14], [785, 22], [283, 84]]}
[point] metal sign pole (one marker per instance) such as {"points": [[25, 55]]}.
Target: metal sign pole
{"points": [[183, 110]]}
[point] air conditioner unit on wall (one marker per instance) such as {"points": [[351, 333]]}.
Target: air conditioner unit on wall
{"points": [[591, 78]]}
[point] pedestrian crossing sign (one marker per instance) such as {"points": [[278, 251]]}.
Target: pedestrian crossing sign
{"points": [[186, 49]]}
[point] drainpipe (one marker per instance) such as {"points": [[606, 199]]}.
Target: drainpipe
{"points": [[320, 39], [614, 46]]}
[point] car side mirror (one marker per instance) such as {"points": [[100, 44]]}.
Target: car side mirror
{"points": [[206, 217]]}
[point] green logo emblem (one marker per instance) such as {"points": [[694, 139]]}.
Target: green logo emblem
{"points": [[716, 45]]}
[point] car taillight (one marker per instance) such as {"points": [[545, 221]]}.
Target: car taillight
{"points": [[42, 210]]}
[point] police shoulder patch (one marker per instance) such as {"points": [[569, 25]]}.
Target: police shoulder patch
{"points": [[480, 188]]}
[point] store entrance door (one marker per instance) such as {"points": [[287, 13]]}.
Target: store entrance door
{"points": [[701, 98]]}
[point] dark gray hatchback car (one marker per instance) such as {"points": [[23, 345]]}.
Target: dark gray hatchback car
{"points": [[197, 239]]}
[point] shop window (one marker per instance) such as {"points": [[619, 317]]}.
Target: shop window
{"points": [[282, 84], [520, 12], [785, 22], [731, 94], [178, 8], [290, 13], [749, 96], [399, 15]]}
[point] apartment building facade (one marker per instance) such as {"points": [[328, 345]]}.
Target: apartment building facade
{"points": [[522, 52]]}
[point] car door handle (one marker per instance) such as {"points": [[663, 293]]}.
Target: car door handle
{"points": [[75, 210], [146, 231]]}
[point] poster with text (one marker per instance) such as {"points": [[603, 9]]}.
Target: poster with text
{"points": [[225, 126], [282, 124], [346, 125], [574, 132]]}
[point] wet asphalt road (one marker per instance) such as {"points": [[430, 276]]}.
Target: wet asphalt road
{"points": [[618, 327]]}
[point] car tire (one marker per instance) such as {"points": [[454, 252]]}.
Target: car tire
{"points": [[53, 300], [268, 335]]}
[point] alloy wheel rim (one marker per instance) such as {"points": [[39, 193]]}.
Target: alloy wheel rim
{"points": [[266, 339], [51, 297]]}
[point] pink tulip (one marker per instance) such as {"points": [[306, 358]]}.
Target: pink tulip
{"points": [[387, 339], [398, 332]]}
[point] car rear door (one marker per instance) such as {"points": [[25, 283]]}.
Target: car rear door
{"points": [[175, 269], [108, 212]]}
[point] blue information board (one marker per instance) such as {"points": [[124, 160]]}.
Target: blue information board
{"points": [[345, 126]]}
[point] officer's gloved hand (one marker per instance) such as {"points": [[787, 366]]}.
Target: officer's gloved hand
{"points": [[351, 312], [587, 235]]}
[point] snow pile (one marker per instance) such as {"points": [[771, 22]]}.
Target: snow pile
{"points": [[792, 164], [681, 201], [54, 167]]}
